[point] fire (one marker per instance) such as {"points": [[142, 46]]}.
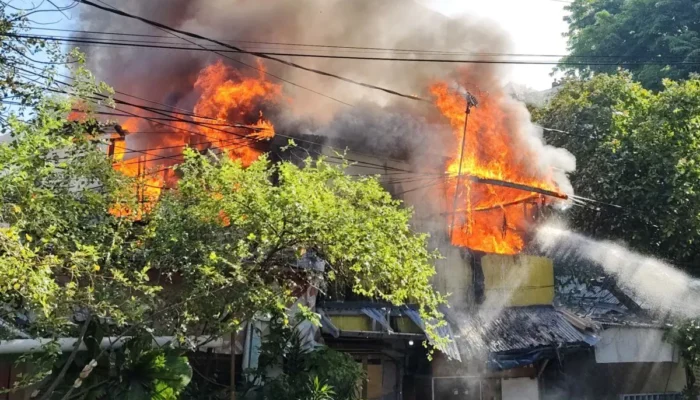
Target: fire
{"points": [[488, 218], [226, 98], [231, 97]]}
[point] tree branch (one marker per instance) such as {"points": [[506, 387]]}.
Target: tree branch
{"points": [[68, 363]]}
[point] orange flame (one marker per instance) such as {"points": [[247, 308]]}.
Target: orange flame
{"points": [[227, 97], [488, 218], [230, 97]]}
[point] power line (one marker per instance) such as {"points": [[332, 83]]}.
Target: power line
{"points": [[155, 111], [627, 60], [257, 54], [361, 164], [230, 142], [319, 46], [305, 45]]}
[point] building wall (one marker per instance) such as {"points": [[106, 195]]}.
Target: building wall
{"points": [[581, 378], [9, 371], [624, 344], [520, 280], [520, 389], [375, 381]]}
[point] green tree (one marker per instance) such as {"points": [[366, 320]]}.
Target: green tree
{"points": [[656, 39], [214, 251], [686, 335], [638, 150], [306, 373], [210, 254], [227, 226]]}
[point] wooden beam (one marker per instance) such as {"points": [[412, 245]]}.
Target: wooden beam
{"points": [[519, 186]]}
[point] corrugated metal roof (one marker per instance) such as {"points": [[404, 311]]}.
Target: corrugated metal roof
{"points": [[444, 332], [517, 329], [592, 300]]}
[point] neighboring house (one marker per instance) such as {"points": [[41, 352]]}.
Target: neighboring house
{"points": [[387, 340], [632, 357]]}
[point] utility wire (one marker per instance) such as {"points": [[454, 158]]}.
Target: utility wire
{"points": [[101, 97], [270, 55], [150, 110], [206, 125], [366, 164], [319, 46]]}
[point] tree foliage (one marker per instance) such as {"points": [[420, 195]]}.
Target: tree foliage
{"points": [[686, 336], [77, 249], [638, 150], [307, 373], [213, 252], [231, 227], [656, 39]]}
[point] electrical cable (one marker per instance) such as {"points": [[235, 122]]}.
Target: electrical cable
{"points": [[622, 63], [338, 47], [153, 110]]}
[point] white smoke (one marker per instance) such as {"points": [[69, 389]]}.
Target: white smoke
{"points": [[656, 284]]}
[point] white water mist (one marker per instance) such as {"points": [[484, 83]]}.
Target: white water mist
{"points": [[656, 284]]}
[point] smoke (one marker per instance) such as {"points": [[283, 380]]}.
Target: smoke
{"points": [[389, 23], [382, 122], [656, 284], [549, 160]]}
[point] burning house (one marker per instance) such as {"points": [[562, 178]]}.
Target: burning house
{"points": [[467, 158]]}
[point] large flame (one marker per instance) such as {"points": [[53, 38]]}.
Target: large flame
{"points": [[226, 98], [486, 217], [230, 97]]}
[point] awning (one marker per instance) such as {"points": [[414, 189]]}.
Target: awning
{"points": [[378, 315], [444, 332], [327, 325], [381, 314]]}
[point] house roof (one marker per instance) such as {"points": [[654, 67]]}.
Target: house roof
{"points": [[517, 336], [521, 328], [594, 300]]}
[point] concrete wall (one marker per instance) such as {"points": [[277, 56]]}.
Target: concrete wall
{"points": [[629, 345], [520, 389]]}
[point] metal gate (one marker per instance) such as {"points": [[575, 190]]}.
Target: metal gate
{"points": [[465, 388], [652, 396]]}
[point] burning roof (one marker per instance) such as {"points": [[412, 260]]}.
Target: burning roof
{"points": [[489, 218]]}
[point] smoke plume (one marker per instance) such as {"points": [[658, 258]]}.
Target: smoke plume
{"points": [[382, 123]]}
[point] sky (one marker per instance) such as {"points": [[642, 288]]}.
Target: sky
{"points": [[534, 26]]}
